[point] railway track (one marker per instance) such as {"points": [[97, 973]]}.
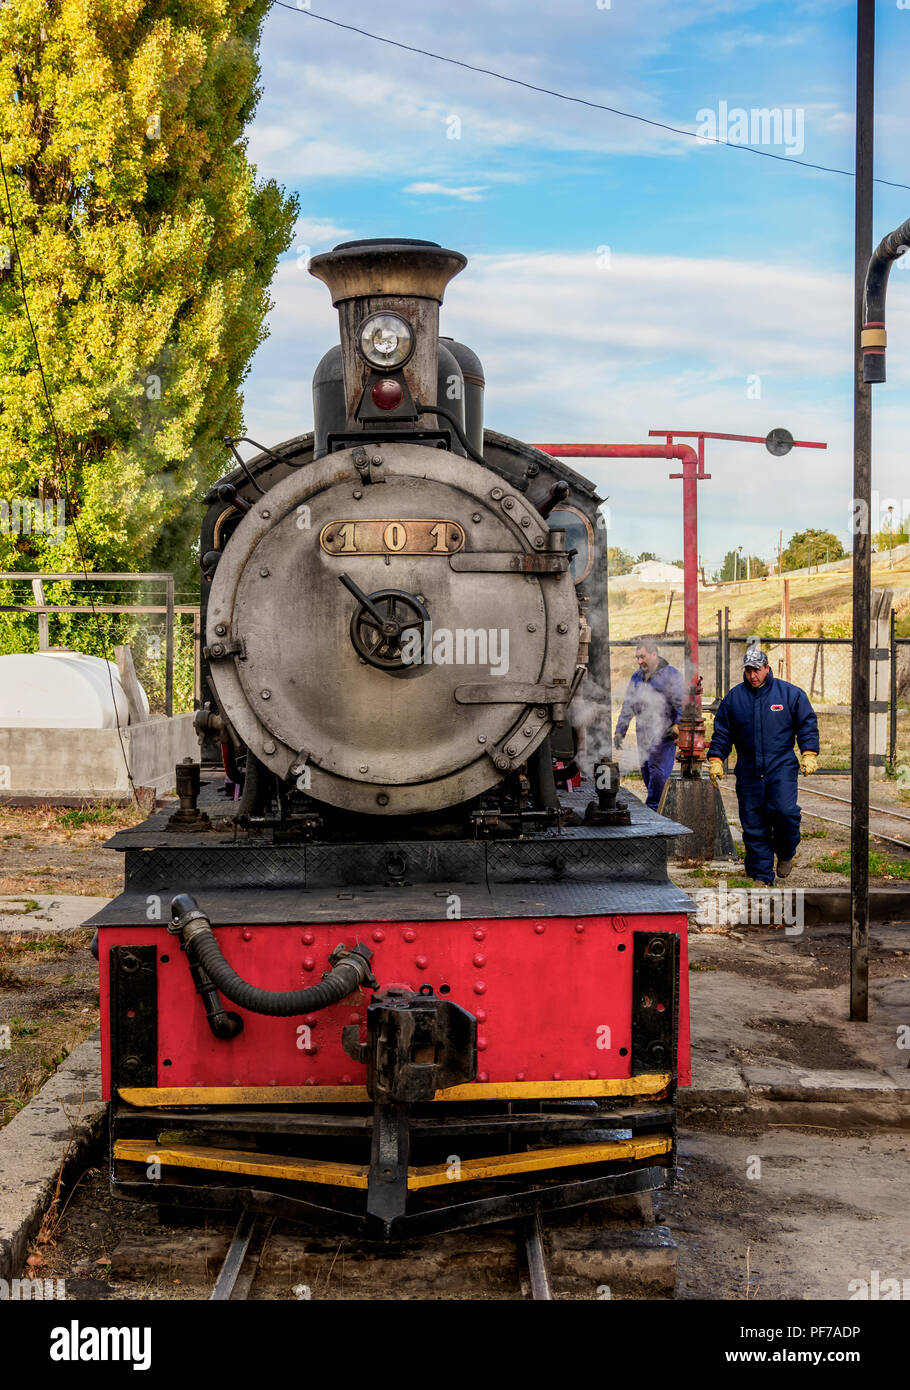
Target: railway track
{"points": [[878, 816], [241, 1263]]}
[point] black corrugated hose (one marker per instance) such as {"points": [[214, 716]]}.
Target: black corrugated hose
{"points": [[190, 923]]}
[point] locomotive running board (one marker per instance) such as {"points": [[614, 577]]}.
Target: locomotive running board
{"points": [[357, 1175]]}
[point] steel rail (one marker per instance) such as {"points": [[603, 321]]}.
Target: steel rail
{"points": [[536, 1255], [229, 1282]]}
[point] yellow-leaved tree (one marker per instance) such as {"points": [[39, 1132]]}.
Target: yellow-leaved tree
{"points": [[147, 246]]}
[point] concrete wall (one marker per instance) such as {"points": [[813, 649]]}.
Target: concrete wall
{"points": [[90, 763]]}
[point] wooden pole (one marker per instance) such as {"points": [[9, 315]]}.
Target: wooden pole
{"points": [[785, 627], [862, 540]]}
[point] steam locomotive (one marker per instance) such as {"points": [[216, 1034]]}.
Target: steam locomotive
{"points": [[406, 958]]}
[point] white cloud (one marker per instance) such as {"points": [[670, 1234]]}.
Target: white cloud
{"points": [[314, 231], [470, 194], [574, 351]]}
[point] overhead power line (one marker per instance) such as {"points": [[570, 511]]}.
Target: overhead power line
{"points": [[577, 101]]}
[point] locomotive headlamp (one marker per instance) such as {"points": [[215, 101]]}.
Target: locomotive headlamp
{"points": [[386, 340]]}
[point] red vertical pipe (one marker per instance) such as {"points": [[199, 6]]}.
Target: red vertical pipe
{"points": [[690, 560], [693, 467]]}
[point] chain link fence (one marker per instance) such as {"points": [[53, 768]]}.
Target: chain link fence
{"points": [[96, 614]]}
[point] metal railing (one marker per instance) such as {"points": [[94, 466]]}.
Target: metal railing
{"points": [[169, 609]]}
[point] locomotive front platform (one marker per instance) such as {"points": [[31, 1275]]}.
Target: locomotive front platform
{"points": [[551, 965]]}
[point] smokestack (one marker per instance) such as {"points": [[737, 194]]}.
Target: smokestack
{"points": [[388, 293]]}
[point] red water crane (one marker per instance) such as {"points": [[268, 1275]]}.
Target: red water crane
{"points": [[778, 442]]}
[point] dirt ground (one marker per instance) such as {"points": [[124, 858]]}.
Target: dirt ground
{"points": [[49, 1003], [50, 850], [774, 1213]]}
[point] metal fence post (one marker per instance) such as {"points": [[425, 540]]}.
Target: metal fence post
{"points": [[169, 646], [892, 733], [719, 660]]}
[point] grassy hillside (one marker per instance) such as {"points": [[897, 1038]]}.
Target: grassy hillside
{"points": [[820, 606]]}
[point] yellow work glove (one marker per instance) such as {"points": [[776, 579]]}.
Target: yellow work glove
{"points": [[808, 763], [715, 770], [673, 732]]}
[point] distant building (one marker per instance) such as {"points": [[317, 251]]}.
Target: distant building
{"points": [[653, 572]]}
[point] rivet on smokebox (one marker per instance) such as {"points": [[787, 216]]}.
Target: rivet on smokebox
{"points": [[483, 1076], [421, 962], [309, 963], [557, 1076], [311, 1019], [479, 934], [519, 1076], [480, 987], [247, 934], [480, 961], [378, 935], [481, 1044], [409, 934], [539, 928], [308, 938], [480, 1015], [592, 1075], [579, 926], [354, 1017]]}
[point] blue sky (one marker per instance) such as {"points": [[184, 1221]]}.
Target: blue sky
{"points": [[620, 278]]}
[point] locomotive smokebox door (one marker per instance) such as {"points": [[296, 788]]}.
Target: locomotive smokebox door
{"points": [[394, 619]]}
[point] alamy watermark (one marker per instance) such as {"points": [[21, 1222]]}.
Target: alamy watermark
{"points": [[888, 514], [26, 516], [460, 646], [760, 125]]}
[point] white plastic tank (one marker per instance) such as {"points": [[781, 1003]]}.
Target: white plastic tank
{"points": [[62, 690]]}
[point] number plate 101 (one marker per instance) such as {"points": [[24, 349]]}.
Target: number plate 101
{"points": [[392, 536]]}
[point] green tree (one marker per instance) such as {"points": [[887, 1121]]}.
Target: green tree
{"points": [[824, 546], [736, 566], [147, 246], [645, 555], [618, 561]]}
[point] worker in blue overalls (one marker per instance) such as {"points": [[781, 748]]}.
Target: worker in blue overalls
{"points": [[654, 699], [762, 719]]}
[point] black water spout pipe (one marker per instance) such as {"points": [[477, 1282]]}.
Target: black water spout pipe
{"points": [[873, 338], [349, 969]]}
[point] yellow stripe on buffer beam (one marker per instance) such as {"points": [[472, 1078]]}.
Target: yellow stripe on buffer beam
{"points": [[357, 1175], [648, 1085]]}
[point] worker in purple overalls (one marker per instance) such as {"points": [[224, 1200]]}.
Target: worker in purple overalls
{"points": [[654, 699]]}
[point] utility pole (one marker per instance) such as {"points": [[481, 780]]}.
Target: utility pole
{"points": [[862, 541], [891, 538]]}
